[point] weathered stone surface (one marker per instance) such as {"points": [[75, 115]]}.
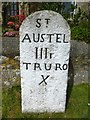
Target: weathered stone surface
{"points": [[9, 72], [10, 46], [44, 62]]}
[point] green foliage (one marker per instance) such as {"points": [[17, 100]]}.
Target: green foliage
{"points": [[81, 32], [77, 16], [76, 107], [73, 7], [66, 16], [4, 30], [80, 27], [57, 7]]}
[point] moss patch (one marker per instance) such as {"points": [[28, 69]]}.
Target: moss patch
{"points": [[10, 61]]}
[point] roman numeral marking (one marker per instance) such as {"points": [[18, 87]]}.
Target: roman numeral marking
{"points": [[44, 79], [42, 53]]}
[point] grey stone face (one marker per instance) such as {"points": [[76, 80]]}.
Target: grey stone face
{"points": [[44, 58]]}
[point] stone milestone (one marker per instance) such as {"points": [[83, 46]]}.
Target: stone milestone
{"points": [[44, 59]]}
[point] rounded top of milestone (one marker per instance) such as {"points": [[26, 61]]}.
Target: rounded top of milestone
{"points": [[56, 20]]}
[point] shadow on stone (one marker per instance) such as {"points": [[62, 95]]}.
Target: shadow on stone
{"points": [[70, 81]]}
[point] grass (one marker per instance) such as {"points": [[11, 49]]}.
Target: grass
{"points": [[77, 106]]}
